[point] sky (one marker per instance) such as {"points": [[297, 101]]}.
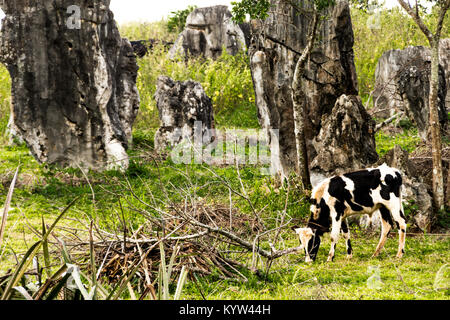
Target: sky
{"points": [[155, 10], [151, 10]]}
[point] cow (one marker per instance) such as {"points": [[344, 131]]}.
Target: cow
{"points": [[354, 193]]}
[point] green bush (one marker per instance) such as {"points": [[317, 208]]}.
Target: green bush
{"points": [[408, 140], [177, 19]]}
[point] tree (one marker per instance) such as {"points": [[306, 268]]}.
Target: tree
{"points": [[177, 19], [436, 140]]}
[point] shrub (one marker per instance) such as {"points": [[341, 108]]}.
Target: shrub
{"points": [[177, 19]]}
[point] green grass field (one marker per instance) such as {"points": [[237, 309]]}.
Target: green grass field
{"points": [[42, 192]]}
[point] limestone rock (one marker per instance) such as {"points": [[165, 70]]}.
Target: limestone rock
{"points": [[276, 45], [346, 141], [414, 190], [181, 106], [402, 85], [74, 95], [207, 31], [444, 54]]}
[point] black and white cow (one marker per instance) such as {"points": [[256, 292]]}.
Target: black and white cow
{"points": [[360, 192]]}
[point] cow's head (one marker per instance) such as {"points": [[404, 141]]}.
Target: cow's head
{"points": [[310, 241]]}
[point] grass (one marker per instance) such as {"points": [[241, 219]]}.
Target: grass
{"points": [[408, 140], [412, 277], [290, 278]]}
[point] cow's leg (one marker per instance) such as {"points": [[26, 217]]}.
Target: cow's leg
{"points": [[346, 234], [386, 225], [400, 221], [335, 231]]}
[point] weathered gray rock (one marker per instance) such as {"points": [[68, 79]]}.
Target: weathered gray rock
{"points": [[413, 85], [346, 141], [444, 54], [403, 85], [414, 191], [74, 95], [182, 106], [276, 45], [207, 31]]}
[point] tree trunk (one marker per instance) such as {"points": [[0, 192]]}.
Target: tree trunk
{"points": [[298, 100], [436, 140], [300, 140]]}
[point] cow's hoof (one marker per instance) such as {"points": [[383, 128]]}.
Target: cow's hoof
{"points": [[330, 259], [349, 256], [399, 255], [308, 260]]}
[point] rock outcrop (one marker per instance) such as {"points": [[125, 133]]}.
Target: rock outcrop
{"points": [[74, 94], [346, 134], [415, 192], [142, 47], [207, 31], [444, 53], [403, 85], [184, 111], [276, 45]]}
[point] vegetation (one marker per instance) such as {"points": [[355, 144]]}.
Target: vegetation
{"points": [[407, 139], [52, 190], [177, 19], [227, 81], [374, 36], [117, 204]]}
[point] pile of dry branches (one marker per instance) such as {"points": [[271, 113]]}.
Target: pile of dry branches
{"points": [[192, 248]]}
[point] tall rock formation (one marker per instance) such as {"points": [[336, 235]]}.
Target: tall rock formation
{"points": [[346, 141], [185, 113], [207, 31], [444, 52], [276, 46], [74, 94]]}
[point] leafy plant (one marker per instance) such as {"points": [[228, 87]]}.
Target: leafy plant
{"points": [[28, 258], [256, 9], [177, 19], [165, 273]]}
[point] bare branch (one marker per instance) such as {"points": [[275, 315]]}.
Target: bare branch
{"points": [[416, 17], [444, 9]]}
